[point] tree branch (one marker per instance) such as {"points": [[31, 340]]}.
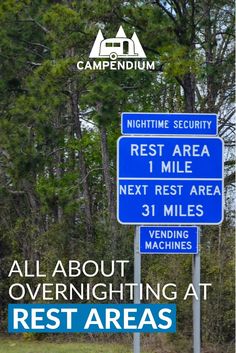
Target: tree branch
{"points": [[158, 3], [230, 179]]}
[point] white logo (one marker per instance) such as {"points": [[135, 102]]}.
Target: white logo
{"points": [[118, 47]]}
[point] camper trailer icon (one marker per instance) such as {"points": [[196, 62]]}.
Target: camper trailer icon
{"points": [[117, 47]]}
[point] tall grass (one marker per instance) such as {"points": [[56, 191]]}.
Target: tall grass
{"points": [[20, 346]]}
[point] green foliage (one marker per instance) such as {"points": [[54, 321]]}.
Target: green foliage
{"points": [[185, 62], [52, 148]]}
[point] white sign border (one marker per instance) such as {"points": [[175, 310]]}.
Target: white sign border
{"points": [[168, 137], [168, 253], [167, 134]]}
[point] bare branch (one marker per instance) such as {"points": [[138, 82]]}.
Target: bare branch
{"points": [[229, 179]]}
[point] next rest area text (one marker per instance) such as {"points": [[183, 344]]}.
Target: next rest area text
{"points": [[169, 190]]}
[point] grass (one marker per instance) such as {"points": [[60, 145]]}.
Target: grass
{"points": [[21, 346]]}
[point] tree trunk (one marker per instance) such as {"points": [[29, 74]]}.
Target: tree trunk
{"points": [[209, 56], [82, 167], [186, 37], [109, 189], [189, 93], [59, 173]]}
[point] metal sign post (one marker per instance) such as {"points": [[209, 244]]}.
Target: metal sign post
{"points": [[137, 279], [169, 180], [197, 302]]}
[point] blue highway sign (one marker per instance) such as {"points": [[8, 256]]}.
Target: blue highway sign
{"points": [[168, 124], [164, 180], [168, 157], [168, 240]]}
